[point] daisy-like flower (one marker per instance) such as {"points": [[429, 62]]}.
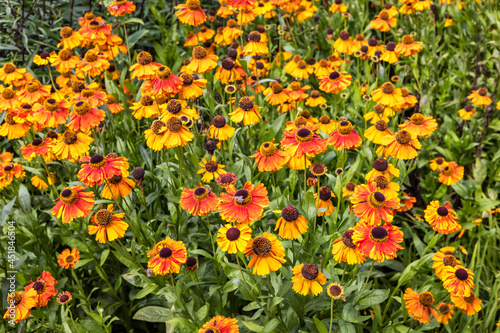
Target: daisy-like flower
{"points": [[305, 11], [387, 95], [147, 107], [469, 305], [444, 313], [296, 92], [408, 100], [72, 145], [307, 278], [68, 258], [291, 224], [302, 142], [202, 61], [22, 304], [451, 173], [407, 202], [458, 280], [344, 43], [344, 249], [233, 239], [442, 218], [112, 105], [467, 112], [176, 134], [93, 63], [220, 324], [408, 46], [324, 201], [226, 179], [9, 73], [34, 92], [9, 99], [246, 112], [145, 68], [73, 203], [51, 113], [14, 127], [335, 291], [220, 130], [98, 168], [376, 132], [118, 186], [389, 54], [199, 201], [345, 136], [243, 206], [210, 170], [418, 305], [268, 158], [64, 61], [107, 225], [420, 125], [40, 184], [348, 190], [372, 206], [480, 97], [438, 163], [167, 257], [227, 72], [254, 46], [327, 125], [178, 108], [191, 13], [84, 117], [192, 86], [378, 243], [338, 7], [268, 254], [335, 82], [421, 5], [443, 258], [384, 21], [44, 287], [121, 7], [277, 95], [402, 145], [387, 188], [315, 99], [38, 147], [64, 297], [164, 82]]}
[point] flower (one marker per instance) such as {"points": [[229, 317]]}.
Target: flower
{"points": [[268, 158], [191, 86], [479, 97], [64, 297], [191, 13], [345, 136], [9, 73], [335, 291], [276, 95], [199, 201], [40, 183], [445, 257], [245, 205], [296, 92], [121, 7], [402, 145], [267, 253], [442, 218], [68, 258], [291, 224], [408, 46], [348, 190], [145, 68], [438, 163], [210, 169], [344, 43], [72, 145], [444, 313], [458, 280], [344, 249], [233, 239], [303, 141], [384, 21], [227, 72], [376, 132], [202, 62], [307, 278], [44, 287], [51, 113], [14, 127], [176, 133], [418, 305], [167, 256], [64, 61], [451, 173], [147, 107], [338, 7], [335, 82], [220, 130], [420, 125], [326, 124], [164, 82], [246, 112], [467, 112], [84, 117], [469, 305], [37, 147], [315, 99], [255, 46], [226, 179], [191, 264], [73, 203], [387, 95], [23, 302], [220, 324], [379, 242], [99, 168], [324, 201], [372, 206], [107, 225]]}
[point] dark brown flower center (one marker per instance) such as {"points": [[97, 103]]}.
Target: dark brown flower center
{"points": [[381, 182], [310, 271], [390, 46], [304, 135], [347, 238], [82, 108], [277, 88], [471, 298], [64, 298], [290, 213], [407, 39], [199, 52], [242, 197], [381, 125], [482, 92], [254, 36], [69, 137], [246, 104], [379, 235], [8, 94], [37, 142], [442, 211], [165, 253], [69, 258], [425, 298], [144, 58], [9, 68], [174, 124], [219, 121], [211, 166], [449, 260], [91, 56], [233, 234], [344, 35], [174, 106], [461, 274], [334, 75], [261, 246], [384, 15], [444, 309]]}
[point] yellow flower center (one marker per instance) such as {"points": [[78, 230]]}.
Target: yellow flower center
{"points": [[9, 68], [193, 4], [68, 196], [82, 108], [376, 200], [8, 94], [103, 217], [9, 119], [403, 137], [144, 58], [267, 149], [199, 52], [231, 23], [261, 246], [426, 298], [89, 16], [405, 92], [417, 119], [88, 92], [91, 56], [345, 128]]}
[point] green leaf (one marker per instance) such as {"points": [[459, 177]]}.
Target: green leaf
{"points": [[202, 312], [320, 326], [135, 37], [104, 256], [24, 198], [153, 314], [5, 212], [373, 297], [271, 325], [82, 263], [148, 289], [253, 327]]}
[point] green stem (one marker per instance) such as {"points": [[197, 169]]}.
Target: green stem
{"points": [[366, 281]]}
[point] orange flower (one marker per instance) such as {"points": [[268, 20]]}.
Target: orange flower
{"points": [[408, 100], [112, 105], [34, 92], [315, 99], [98, 168], [451, 173], [345, 136], [408, 47], [335, 82], [145, 68], [445, 257], [376, 132], [72, 145], [307, 278], [467, 112], [469, 305], [344, 43], [402, 145], [227, 72], [246, 112], [338, 7], [118, 186], [64, 61], [296, 92], [387, 95], [480, 97], [64, 297], [444, 313], [389, 55], [202, 62], [268, 254], [255, 47], [191, 86], [84, 117], [38, 147], [44, 287], [438, 163], [167, 257], [442, 218], [302, 142], [220, 324], [23, 302], [9, 73], [277, 95], [93, 64], [245, 205], [51, 113], [324, 201], [268, 158], [191, 13], [291, 225], [419, 305], [344, 249], [383, 21], [9, 99], [372, 206], [121, 7], [377, 242], [73, 203], [68, 258], [420, 125], [107, 225], [458, 280]]}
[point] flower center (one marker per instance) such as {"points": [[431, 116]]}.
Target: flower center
{"points": [[444, 309], [144, 58], [390, 46], [290, 213], [69, 137], [37, 142], [335, 291], [193, 4], [219, 121], [407, 39], [156, 126], [212, 330], [461, 274], [211, 166], [228, 64], [50, 105], [233, 234], [449, 260], [82, 108], [254, 36], [376, 200], [16, 297], [426, 298], [89, 16], [310, 271], [165, 253], [381, 125], [379, 235], [350, 186], [277, 88], [442, 211], [97, 161], [318, 169], [174, 124], [334, 75], [163, 73], [381, 182], [482, 92], [226, 179], [64, 298], [304, 135], [231, 23], [103, 217], [110, 99], [32, 87], [39, 287], [9, 119], [267, 149], [417, 119], [344, 35], [246, 104], [242, 197], [324, 120], [301, 64], [403, 137], [88, 93], [345, 128], [295, 86], [91, 56], [471, 298], [174, 106], [69, 258], [68, 196], [147, 100], [261, 246], [93, 25], [300, 121], [387, 88], [448, 170], [9, 68], [384, 15], [115, 179], [347, 238], [200, 193], [8, 94], [199, 52]]}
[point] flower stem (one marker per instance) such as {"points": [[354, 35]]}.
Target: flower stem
{"points": [[366, 281]]}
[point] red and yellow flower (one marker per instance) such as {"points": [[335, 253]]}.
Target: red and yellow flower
{"points": [[372, 206], [291, 225], [268, 158], [344, 249], [344, 137], [458, 280], [167, 257], [303, 141], [335, 82], [402, 145], [73, 203], [377, 242], [442, 218], [451, 173], [23, 302], [420, 125], [418, 305], [191, 13], [220, 324], [199, 201], [44, 287], [97, 169]]}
